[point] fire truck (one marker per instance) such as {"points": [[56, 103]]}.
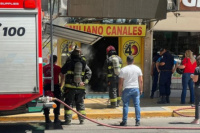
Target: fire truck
{"points": [[21, 76], [20, 53]]}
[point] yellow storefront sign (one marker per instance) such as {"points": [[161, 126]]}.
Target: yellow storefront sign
{"points": [[110, 30], [131, 46]]}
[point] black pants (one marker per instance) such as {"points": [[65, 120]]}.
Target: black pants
{"points": [[164, 83], [78, 96], [113, 90], [57, 94], [197, 99]]}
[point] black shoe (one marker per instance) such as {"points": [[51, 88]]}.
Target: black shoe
{"points": [[162, 100], [137, 123], [57, 121], [123, 123], [67, 122], [81, 122], [167, 99]]}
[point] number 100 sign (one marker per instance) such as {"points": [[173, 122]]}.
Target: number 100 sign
{"points": [[12, 31]]}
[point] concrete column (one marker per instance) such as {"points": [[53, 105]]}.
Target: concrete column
{"points": [[148, 48]]}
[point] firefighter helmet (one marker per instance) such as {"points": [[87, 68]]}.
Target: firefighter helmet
{"points": [[109, 48], [75, 54]]}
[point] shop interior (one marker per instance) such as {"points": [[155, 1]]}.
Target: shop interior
{"points": [[177, 42], [96, 55]]}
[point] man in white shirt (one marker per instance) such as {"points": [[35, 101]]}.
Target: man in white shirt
{"points": [[130, 86]]}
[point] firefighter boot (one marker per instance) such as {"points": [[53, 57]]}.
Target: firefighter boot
{"points": [[112, 105], [167, 99], [56, 119], [67, 119], [81, 119], [162, 100], [47, 119], [118, 103]]}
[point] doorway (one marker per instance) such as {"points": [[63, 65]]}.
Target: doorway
{"points": [[97, 82]]}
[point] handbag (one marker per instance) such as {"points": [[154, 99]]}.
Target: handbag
{"points": [[179, 70]]}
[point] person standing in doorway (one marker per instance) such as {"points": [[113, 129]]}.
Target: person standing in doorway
{"points": [[154, 73], [166, 67], [188, 64], [112, 67], [47, 89], [130, 78], [196, 79]]}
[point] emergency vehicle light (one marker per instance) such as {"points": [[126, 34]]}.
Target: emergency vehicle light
{"points": [[31, 4]]}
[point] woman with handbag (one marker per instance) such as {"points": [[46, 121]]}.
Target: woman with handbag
{"points": [[188, 64], [196, 79]]}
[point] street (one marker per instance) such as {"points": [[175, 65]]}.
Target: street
{"points": [[89, 127]]}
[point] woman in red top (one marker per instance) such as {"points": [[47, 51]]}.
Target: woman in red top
{"points": [[188, 64]]}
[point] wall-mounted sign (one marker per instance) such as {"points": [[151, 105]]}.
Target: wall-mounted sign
{"points": [[111, 30], [131, 47], [189, 5]]}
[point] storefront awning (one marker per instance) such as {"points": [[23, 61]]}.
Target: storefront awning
{"points": [[180, 22], [74, 35]]}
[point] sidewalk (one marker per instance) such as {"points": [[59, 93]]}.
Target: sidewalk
{"points": [[96, 108]]}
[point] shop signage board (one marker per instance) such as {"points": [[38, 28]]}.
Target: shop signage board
{"points": [[140, 9], [189, 5], [131, 46], [111, 30]]}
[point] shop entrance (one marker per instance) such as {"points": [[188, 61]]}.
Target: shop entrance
{"points": [[96, 62], [177, 43]]}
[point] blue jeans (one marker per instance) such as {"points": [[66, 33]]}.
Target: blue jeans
{"points": [[127, 94], [187, 81]]}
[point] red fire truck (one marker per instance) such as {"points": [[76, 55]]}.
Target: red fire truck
{"points": [[20, 53]]}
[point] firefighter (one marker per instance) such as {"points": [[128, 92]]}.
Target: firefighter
{"points": [[77, 76], [112, 68]]}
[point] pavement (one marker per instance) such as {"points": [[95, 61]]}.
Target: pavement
{"points": [[96, 108]]}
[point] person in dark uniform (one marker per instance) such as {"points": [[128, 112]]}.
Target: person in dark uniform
{"points": [[47, 88], [77, 76], [166, 67], [112, 67], [154, 73], [196, 79]]}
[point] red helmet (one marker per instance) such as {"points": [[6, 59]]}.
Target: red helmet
{"points": [[109, 48]]}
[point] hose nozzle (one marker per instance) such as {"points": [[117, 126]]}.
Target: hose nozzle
{"points": [[46, 99]]}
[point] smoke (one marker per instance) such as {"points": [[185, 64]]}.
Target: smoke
{"points": [[88, 89], [88, 52]]}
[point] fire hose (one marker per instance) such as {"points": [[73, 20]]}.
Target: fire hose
{"points": [[176, 111], [120, 127]]}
